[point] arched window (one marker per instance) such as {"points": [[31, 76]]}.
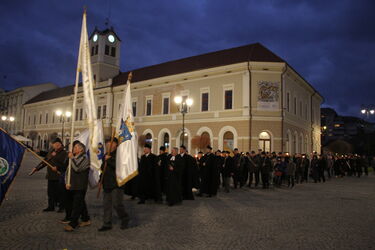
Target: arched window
{"points": [[300, 144], [148, 139], [184, 140], [228, 141], [166, 141], [288, 142], [294, 144], [265, 141]]}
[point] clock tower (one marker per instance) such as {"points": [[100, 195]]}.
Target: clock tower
{"points": [[105, 54]]}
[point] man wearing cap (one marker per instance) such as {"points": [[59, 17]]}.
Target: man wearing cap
{"points": [[228, 169], [57, 157], [237, 168], [79, 178]]}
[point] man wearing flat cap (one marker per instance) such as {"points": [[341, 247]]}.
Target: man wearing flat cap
{"points": [[57, 157]]}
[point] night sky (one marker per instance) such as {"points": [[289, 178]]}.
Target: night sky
{"points": [[330, 43]]}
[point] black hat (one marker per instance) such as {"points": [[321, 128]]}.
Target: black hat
{"points": [[236, 149], [209, 147], [182, 146], [147, 146], [57, 140], [162, 148]]}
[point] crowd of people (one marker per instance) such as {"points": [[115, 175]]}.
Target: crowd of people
{"points": [[181, 176]]}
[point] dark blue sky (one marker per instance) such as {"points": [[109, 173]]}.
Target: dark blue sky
{"points": [[331, 43]]}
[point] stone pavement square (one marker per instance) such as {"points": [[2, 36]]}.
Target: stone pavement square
{"points": [[338, 214]]}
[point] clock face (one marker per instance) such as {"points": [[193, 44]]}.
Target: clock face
{"points": [[95, 38], [111, 38]]}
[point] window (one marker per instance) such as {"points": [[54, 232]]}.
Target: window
{"points": [[265, 141], [306, 111], [96, 49], [46, 118], [40, 119], [148, 105], [29, 121], [295, 105], [113, 51], [53, 117], [92, 50], [134, 107], [204, 102], [165, 105], [80, 114], [288, 102], [300, 108], [99, 111], [148, 139], [106, 50], [228, 99], [104, 111], [166, 141]]}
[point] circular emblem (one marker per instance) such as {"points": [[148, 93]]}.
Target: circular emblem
{"points": [[4, 167]]}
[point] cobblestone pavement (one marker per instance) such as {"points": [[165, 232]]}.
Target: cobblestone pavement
{"points": [[338, 214]]}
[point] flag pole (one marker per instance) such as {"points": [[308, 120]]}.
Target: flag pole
{"points": [[74, 104], [130, 76], [28, 149]]}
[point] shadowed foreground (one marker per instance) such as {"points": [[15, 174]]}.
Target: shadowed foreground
{"points": [[338, 214]]}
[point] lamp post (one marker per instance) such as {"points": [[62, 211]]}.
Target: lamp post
{"points": [[7, 119], [183, 105], [368, 111], [62, 116]]}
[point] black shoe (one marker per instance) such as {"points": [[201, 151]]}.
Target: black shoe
{"points": [[104, 228], [141, 202], [199, 194], [48, 209], [60, 210]]}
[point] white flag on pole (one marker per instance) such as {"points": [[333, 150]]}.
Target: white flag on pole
{"points": [[126, 156], [84, 138], [95, 137]]}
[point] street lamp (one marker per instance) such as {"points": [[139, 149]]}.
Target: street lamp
{"points": [[62, 116], [183, 105], [8, 119], [368, 111]]}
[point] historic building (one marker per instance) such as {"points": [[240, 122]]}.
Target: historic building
{"points": [[11, 105], [245, 97]]}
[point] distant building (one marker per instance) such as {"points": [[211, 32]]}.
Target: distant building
{"points": [[343, 128], [245, 97], [11, 104]]}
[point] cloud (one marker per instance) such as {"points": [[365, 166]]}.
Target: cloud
{"points": [[330, 43]]}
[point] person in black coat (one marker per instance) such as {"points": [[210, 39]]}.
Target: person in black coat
{"points": [[265, 165], [188, 164], [228, 169], [209, 174], [149, 186], [173, 187], [113, 194], [253, 169], [57, 157], [237, 168], [76, 190], [163, 167]]}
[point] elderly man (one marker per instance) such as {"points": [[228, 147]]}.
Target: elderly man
{"points": [[57, 157], [79, 175]]}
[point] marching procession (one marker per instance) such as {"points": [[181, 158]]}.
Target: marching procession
{"points": [[180, 176]]}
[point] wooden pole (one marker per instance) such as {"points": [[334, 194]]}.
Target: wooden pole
{"points": [[31, 151]]}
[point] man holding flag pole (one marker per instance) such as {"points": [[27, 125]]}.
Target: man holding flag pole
{"points": [[120, 164]]}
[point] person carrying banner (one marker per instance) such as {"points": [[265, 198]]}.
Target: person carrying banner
{"points": [[113, 194], [77, 188], [57, 157]]}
